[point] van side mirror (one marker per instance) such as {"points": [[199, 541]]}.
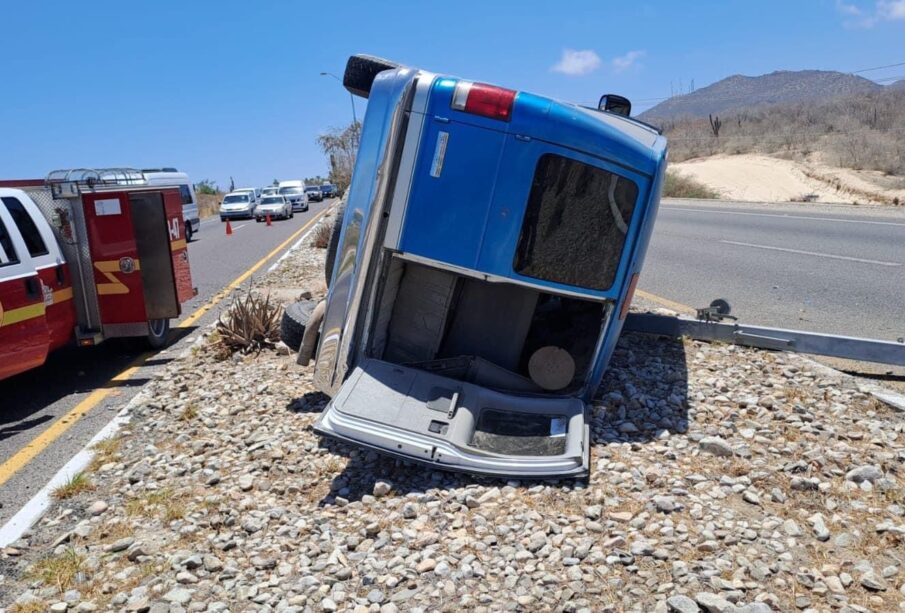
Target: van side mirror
{"points": [[618, 105]]}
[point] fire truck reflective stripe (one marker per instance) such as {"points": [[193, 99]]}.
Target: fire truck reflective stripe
{"points": [[14, 316], [62, 295], [177, 245], [108, 268]]}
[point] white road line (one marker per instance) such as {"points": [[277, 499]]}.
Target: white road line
{"points": [[814, 253], [32, 510], [239, 227], [680, 207]]}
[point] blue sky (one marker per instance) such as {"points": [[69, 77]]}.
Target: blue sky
{"points": [[229, 88]]}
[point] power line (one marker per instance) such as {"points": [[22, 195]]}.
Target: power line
{"points": [[877, 68], [661, 98]]}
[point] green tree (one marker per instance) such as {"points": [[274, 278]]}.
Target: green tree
{"points": [[207, 187]]}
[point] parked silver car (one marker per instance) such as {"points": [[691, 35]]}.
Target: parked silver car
{"points": [[275, 206]]}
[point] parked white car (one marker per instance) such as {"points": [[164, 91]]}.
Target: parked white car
{"points": [[251, 191], [237, 205], [275, 206]]}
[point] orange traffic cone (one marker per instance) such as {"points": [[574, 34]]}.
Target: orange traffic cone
{"points": [[229, 228], [268, 219]]}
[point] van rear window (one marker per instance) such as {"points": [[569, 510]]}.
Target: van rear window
{"points": [[575, 224], [186, 194]]}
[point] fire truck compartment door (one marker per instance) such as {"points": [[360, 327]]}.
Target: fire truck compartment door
{"points": [[152, 239], [24, 337], [115, 258], [179, 251]]}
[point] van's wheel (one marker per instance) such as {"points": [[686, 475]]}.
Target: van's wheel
{"points": [[188, 232], [361, 71], [333, 245], [158, 331], [295, 319]]}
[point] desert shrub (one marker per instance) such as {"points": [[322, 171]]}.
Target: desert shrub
{"points": [[322, 235], [679, 186], [251, 324]]}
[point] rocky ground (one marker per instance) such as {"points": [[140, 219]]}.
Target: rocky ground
{"points": [[722, 479]]}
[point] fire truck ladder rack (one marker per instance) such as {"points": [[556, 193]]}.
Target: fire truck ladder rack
{"points": [[68, 183], [777, 339]]}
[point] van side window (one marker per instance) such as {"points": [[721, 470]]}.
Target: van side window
{"points": [[186, 194], [27, 228], [7, 253], [575, 224]]}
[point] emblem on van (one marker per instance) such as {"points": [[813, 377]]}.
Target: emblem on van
{"points": [[439, 154]]}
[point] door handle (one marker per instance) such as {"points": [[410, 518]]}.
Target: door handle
{"points": [[61, 275], [32, 288]]}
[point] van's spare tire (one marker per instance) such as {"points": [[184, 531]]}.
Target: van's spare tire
{"points": [[295, 318], [333, 245], [361, 71]]}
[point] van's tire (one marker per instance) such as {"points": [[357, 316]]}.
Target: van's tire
{"points": [[295, 319], [158, 333], [188, 232], [361, 71], [333, 245]]}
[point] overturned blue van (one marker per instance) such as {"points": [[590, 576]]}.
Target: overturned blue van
{"points": [[488, 252]]}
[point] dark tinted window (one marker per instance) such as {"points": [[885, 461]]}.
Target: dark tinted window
{"points": [[6, 244], [186, 194], [27, 228], [575, 224]]}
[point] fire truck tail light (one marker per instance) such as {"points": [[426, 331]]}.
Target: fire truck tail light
{"points": [[485, 100]]}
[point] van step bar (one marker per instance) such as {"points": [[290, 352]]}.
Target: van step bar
{"points": [[777, 339]]}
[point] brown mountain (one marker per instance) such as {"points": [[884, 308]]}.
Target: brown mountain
{"points": [[738, 92]]}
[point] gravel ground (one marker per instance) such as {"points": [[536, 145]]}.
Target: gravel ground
{"points": [[722, 479]]}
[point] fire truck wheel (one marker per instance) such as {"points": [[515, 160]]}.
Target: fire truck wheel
{"points": [[333, 245], [295, 318], [158, 331]]}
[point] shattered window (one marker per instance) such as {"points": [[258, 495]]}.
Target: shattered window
{"points": [[575, 223]]}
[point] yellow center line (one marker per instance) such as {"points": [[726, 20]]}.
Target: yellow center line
{"points": [[669, 304], [37, 445]]}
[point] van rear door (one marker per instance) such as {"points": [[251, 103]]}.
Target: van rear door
{"points": [[429, 418], [24, 337]]}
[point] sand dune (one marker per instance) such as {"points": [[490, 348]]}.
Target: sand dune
{"points": [[760, 178]]}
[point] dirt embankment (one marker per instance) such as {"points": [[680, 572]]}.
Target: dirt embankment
{"points": [[761, 178]]}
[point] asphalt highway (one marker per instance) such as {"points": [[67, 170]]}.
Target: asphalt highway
{"points": [[33, 401], [822, 268]]}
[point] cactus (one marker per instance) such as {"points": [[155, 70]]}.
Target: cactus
{"points": [[715, 125]]}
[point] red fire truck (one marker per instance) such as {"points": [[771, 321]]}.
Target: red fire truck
{"points": [[87, 255]]}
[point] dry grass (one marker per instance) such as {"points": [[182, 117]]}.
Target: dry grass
{"points": [[322, 235], [77, 484], [679, 186], [164, 504], [105, 451], [189, 412], [58, 571], [251, 325], [35, 606]]}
